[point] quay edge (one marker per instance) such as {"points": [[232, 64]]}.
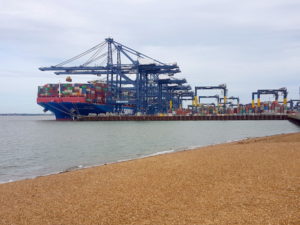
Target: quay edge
{"points": [[182, 118]]}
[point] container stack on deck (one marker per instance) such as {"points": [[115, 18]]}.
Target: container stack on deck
{"points": [[93, 93], [48, 90]]}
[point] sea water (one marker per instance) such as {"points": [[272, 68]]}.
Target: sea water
{"points": [[33, 146]]}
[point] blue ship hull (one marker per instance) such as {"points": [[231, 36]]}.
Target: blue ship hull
{"points": [[70, 111]]}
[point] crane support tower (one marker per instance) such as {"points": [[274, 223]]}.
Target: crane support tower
{"points": [[253, 99]]}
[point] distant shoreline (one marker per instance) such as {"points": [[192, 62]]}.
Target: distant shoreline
{"points": [[25, 114]]}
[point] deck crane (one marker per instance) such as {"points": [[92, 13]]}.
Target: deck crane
{"points": [[221, 86], [122, 65]]}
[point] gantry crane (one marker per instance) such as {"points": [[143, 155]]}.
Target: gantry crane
{"points": [[213, 96], [237, 99], [294, 104], [274, 92], [185, 96], [123, 66], [220, 87]]}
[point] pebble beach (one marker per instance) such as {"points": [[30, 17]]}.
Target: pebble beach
{"points": [[253, 181]]}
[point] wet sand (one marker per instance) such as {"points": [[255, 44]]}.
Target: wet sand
{"points": [[255, 181]]}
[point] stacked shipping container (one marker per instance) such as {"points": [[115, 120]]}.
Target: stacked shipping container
{"points": [[265, 108], [93, 93]]}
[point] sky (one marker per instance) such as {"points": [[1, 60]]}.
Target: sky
{"points": [[247, 45]]}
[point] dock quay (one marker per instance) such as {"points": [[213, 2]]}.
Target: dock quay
{"points": [[294, 118], [183, 118]]}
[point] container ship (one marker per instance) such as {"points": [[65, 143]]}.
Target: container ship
{"points": [[68, 101], [129, 82]]}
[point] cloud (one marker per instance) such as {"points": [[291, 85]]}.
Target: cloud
{"points": [[246, 44]]}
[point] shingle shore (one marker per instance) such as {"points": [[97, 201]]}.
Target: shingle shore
{"points": [[255, 181]]}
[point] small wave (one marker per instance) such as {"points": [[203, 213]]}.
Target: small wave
{"points": [[6, 181], [192, 147], [72, 168], [159, 153], [234, 140], [141, 156], [239, 139], [123, 160]]}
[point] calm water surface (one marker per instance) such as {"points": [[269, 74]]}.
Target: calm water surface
{"points": [[31, 146]]}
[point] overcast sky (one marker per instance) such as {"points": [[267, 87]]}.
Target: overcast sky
{"points": [[248, 45]]}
